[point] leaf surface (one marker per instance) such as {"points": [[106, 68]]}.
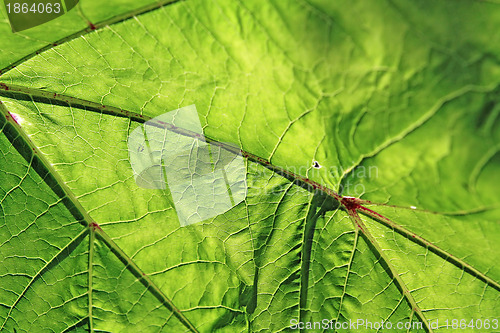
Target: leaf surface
{"points": [[397, 102]]}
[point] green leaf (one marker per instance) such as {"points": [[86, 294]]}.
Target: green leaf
{"points": [[371, 138]]}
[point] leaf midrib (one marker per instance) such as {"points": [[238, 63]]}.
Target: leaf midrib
{"points": [[19, 92], [44, 167]]}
